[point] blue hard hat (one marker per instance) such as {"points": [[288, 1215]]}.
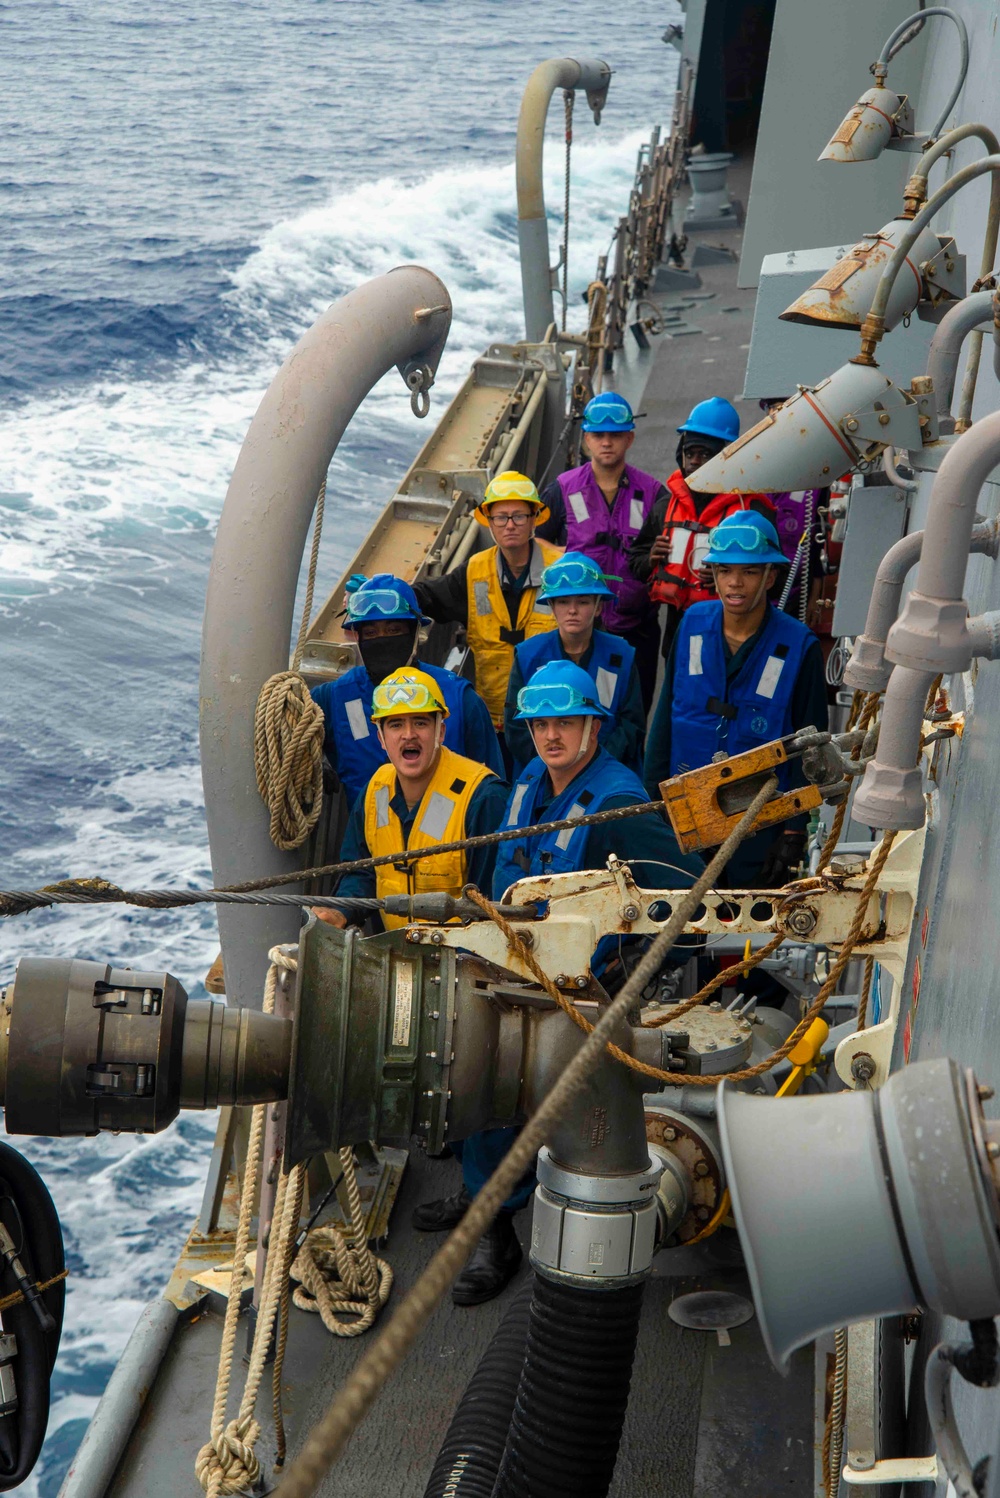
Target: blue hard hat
{"points": [[744, 539], [380, 597], [608, 413], [713, 418], [560, 690], [574, 575]]}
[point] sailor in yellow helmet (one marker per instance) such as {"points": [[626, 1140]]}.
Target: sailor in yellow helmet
{"points": [[495, 593], [425, 795]]}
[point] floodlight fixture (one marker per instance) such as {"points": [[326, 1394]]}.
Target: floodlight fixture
{"points": [[933, 278], [882, 118]]}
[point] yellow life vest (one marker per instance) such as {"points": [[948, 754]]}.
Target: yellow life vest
{"points": [[491, 634], [440, 818]]}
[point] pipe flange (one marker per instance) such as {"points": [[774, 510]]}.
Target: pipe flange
{"points": [[931, 634], [867, 670], [890, 798], [611, 1191]]}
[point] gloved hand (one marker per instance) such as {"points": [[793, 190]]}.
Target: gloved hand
{"points": [[782, 859]]}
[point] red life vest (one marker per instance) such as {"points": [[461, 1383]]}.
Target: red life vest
{"points": [[676, 580]]}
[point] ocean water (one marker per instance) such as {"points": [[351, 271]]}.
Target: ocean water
{"points": [[183, 192]]}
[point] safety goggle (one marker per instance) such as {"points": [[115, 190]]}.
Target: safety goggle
{"points": [[412, 695], [502, 488], [385, 601], [558, 700], [611, 413], [744, 537], [577, 574]]}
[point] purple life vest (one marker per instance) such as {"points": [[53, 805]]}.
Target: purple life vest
{"points": [[606, 535], [790, 519]]}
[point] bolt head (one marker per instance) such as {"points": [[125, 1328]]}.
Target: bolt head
{"points": [[702, 1214], [560, 980], [993, 1150], [437, 937], [715, 1007], [631, 912], [711, 1046], [670, 1133], [581, 980], [984, 1093], [700, 1169]]}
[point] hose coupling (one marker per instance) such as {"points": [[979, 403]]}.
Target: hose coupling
{"points": [[590, 1228]]}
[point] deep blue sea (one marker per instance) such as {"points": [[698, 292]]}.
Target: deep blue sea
{"points": [[183, 189]]}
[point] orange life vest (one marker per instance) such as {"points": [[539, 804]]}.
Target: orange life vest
{"points": [[676, 580]]}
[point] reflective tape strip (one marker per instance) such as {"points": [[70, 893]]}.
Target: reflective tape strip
{"points": [[382, 806], [578, 505], [694, 655], [437, 815], [606, 683], [770, 676], [356, 718], [680, 537], [515, 806], [481, 589], [562, 841], [635, 515]]}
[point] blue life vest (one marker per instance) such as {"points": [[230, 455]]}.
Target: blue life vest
{"points": [[351, 743], [609, 668], [558, 852], [754, 707]]}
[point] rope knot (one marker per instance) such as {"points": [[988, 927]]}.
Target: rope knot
{"points": [[288, 734]]}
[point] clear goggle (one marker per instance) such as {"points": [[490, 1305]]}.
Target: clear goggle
{"points": [[556, 700], [744, 537], [384, 601], [501, 488], [408, 696], [621, 414], [577, 574]]}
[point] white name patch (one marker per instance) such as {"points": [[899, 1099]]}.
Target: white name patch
{"points": [[680, 538], [356, 718], [579, 507], [770, 676], [606, 683], [694, 655], [635, 514]]}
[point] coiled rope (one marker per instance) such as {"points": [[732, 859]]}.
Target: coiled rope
{"points": [[227, 1463], [356, 1395], [288, 729], [338, 1274]]}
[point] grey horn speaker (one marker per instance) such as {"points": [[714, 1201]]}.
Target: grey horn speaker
{"points": [[863, 1204]]}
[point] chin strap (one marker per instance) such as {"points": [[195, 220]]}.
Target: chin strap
{"points": [[585, 741]]}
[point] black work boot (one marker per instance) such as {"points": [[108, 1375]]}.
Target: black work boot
{"points": [[493, 1265], [446, 1212]]}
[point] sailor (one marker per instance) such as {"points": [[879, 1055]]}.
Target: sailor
{"points": [[426, 794], [423, 794], [383, 615], [740, 673], [579, 592], [494, 594], [600, 509], [669, 552]]}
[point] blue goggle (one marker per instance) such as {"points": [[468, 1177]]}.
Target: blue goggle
{"points": [[610, 413], [744, 537], [577, 574], [556, 701], [383, 601]]}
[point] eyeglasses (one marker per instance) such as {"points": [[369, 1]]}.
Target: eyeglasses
{"points": [[411, 695], [557, 700], [744, 537], [577, 574], [504, 520], [384, 601]]}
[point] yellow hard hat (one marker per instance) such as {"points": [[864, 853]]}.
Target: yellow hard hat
{"points": [[407, 691], [511, 486]]}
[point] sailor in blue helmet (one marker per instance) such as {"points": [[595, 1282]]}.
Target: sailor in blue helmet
{"points": [[383, 615], [577, 590], [740, 674], [571, 775], [599, 509]]}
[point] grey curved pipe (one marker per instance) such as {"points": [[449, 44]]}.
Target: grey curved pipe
{"points": [[532, 227], [946, 345], [963, 41], [933, 634], [868, 670], [249, 606], [892, 473], [949, 141]]}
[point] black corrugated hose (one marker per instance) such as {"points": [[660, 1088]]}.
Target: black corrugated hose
{"points": [[467, 1463], [571, 1401]]}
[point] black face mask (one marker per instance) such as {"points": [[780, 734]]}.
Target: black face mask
{"points": [[383, 656]]}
